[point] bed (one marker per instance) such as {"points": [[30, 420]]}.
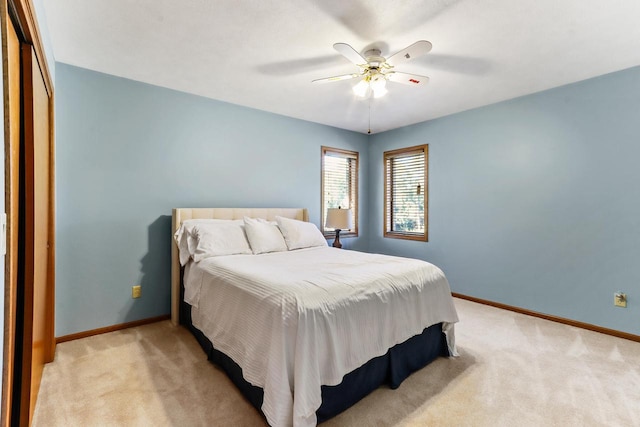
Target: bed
{"points": [[306, 333]]}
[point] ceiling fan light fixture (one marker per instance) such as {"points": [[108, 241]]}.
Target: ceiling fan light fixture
{"points": [[362, 89], [378, 86], [379, 92], [379, 82]]}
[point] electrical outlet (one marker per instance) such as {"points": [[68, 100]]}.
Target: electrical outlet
{"points": [[620, 299], [136, 291]]}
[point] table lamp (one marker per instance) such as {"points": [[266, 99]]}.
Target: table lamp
{"points": [[339, 219]]}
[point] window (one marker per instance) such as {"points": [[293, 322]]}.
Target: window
{"points": [[339, 186], [405, 193]]}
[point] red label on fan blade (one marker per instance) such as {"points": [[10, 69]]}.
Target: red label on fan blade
{"points": [[414, 81]]}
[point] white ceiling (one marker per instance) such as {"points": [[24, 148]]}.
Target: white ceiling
{"points": [[264, 53]]}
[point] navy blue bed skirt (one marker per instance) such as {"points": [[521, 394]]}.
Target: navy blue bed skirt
{"points": [[391, 368]]}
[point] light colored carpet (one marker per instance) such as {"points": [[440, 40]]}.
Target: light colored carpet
{"points": [[512, 370]]}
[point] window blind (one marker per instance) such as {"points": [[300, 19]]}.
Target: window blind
{"points": [[339, 182], [405, 193]]}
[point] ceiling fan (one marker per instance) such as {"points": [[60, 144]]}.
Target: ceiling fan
{"points": [[375, 70]]}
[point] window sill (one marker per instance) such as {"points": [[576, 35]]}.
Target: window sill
{"points": [[406, 236], [332, 235]]}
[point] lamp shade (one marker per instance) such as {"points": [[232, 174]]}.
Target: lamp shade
{"points": [[339, 219]]}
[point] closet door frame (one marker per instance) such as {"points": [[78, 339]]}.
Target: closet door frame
{"points": [[19, 24]]}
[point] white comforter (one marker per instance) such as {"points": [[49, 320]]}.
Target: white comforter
{"points": [[297, 320]]}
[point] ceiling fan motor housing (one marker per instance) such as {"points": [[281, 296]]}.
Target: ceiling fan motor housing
{"points": [[373, 58]]}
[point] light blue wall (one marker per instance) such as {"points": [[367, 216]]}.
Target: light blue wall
{"points": [[534, 202], [127, 153]]}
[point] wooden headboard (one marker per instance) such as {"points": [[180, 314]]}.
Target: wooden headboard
{"points": [[183, 214]]}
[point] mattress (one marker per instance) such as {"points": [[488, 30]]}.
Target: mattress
{"points": [[297, 320]]}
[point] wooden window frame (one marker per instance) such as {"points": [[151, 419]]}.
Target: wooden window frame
{"points": [[387, 220], [339, 152]]}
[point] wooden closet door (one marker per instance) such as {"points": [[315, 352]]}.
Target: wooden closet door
{"points": [[29, 198], [12, 206], [38, 283]]}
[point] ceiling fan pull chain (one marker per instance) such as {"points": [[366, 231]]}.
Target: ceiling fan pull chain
{"points": [[369, 132]]}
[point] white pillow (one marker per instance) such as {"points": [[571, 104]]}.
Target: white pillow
{"points": [[186, 240], [300, 234], [264, 236], [217, 239]]}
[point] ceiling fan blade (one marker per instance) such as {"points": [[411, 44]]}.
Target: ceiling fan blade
{"points": [[350, 53], [417, 49], [336, 78], [407, 79]]}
